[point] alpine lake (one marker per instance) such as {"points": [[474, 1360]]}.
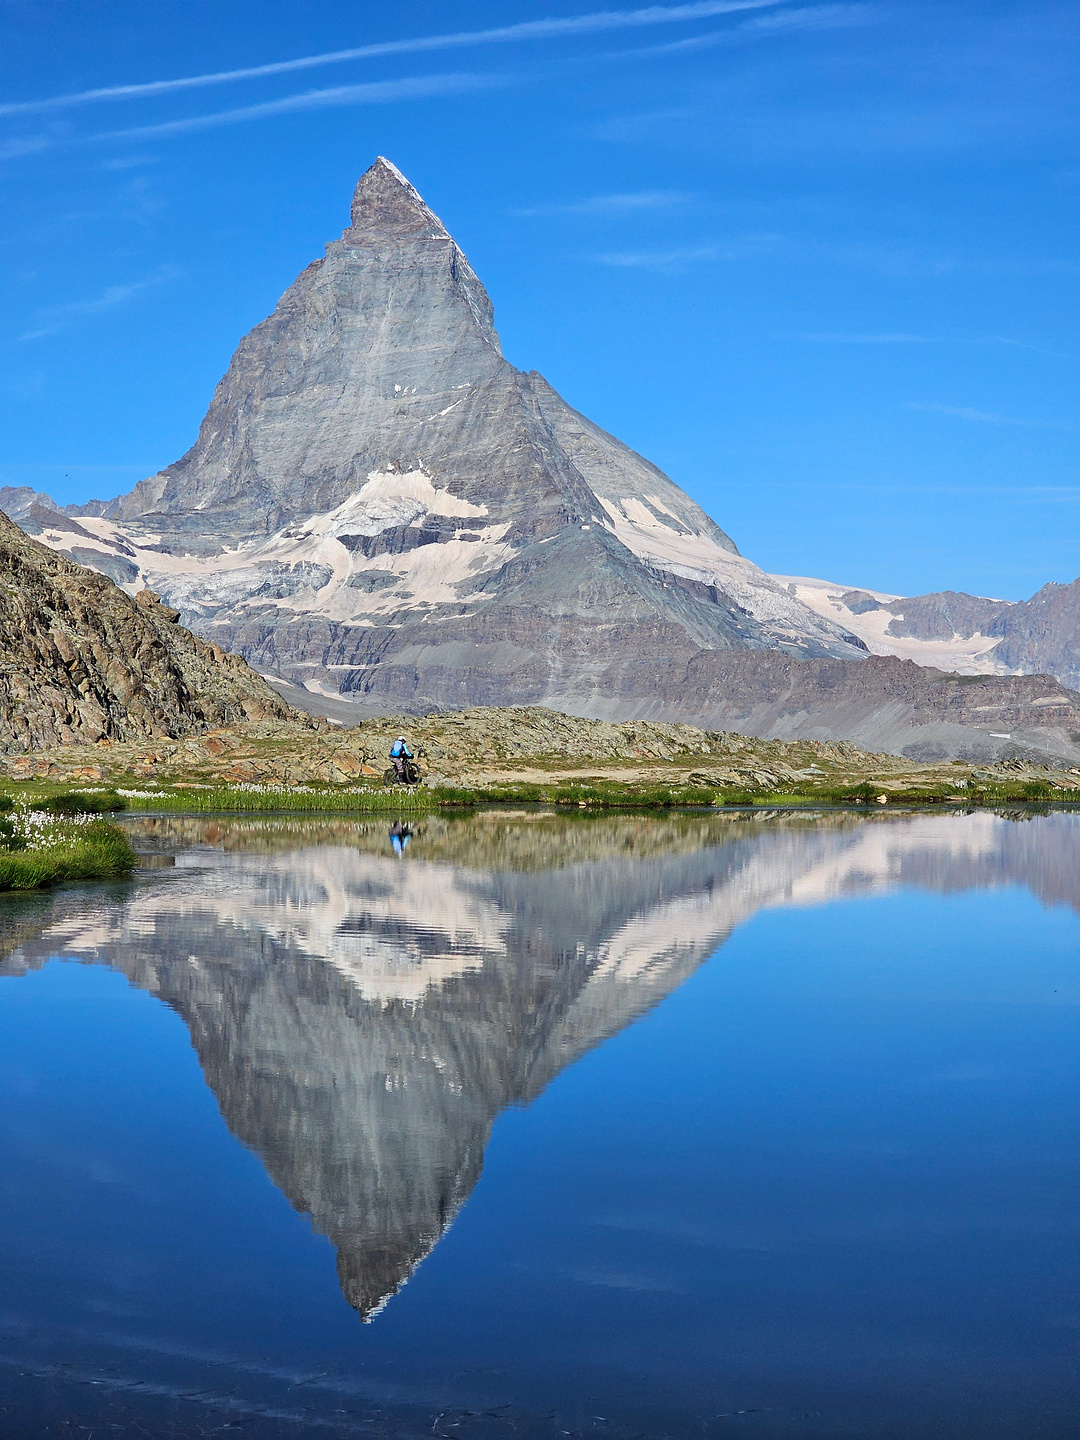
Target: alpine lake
{"points": [[524, 1125]]}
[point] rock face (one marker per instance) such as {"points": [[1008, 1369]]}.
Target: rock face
{"points": [[880, 703], [955, 631], [1042, 633], [379, 505], [82, 661]]}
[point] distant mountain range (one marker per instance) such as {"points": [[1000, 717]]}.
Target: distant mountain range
{"points": [[953, 631], [380, 509]]}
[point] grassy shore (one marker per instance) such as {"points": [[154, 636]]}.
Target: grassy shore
{"points": [[589, 793], [38, 848], [326, 800]]}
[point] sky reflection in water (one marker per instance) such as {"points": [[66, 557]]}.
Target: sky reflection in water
{"points": [[826, 1185]]}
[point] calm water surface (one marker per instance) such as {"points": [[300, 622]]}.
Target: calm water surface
{"points": [[686, 1126]]}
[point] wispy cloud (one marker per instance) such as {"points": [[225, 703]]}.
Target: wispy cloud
{"points": [[915, 261], [737, 247], [129, 162], [550, 28], [1036, 494], [56, 317], [813, 17], [27, 145], [883, 256], [901, 338], [827, 338], [646, 124], [817, 17], [377, 92], [659, 259], [613, 204], [989, 417]]}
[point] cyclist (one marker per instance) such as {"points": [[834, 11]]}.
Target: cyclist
{"points": [[400, 755]]}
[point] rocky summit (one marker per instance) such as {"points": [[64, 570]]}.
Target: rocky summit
{"points": [[380, 506], [82, 662]]}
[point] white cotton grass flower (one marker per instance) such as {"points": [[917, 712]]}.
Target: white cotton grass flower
{"points": [[40, 829]]}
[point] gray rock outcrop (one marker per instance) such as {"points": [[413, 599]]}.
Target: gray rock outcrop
{"points": [[880, 703], [81, 661], [955, 631]]}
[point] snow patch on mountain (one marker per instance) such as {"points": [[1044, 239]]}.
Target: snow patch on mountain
{"points": [[648, 528], [846, 605], [316, 567]]}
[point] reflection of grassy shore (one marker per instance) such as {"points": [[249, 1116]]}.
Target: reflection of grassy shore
{"points": [[39, 849], [496, 839]]}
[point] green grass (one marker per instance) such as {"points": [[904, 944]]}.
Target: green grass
{"points": [[975, 793], [79, 802], [586, 794], [600, 794], [96, 850], [327, 802]]}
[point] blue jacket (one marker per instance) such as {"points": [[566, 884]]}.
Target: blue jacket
{"points": [[398, 749]]}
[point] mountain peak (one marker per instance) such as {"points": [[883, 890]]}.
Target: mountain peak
{"points": [[386, 204]]}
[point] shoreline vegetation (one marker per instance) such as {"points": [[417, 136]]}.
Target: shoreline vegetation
{"points": [[583, 794], [45, 841], [54, 804], [50, 838], [58, 803]]}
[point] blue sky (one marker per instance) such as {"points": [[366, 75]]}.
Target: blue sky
{"points": [[819, 261]]}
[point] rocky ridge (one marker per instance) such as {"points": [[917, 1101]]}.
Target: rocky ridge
{"points": [[484, 748], [83, 662], [879, 703], [951, 630], [473, 746]]}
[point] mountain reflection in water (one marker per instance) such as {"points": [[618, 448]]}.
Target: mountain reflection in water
{"points": [[362, 1018]]}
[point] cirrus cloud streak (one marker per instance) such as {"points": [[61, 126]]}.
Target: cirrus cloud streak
{"points": [[550, 28]]}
